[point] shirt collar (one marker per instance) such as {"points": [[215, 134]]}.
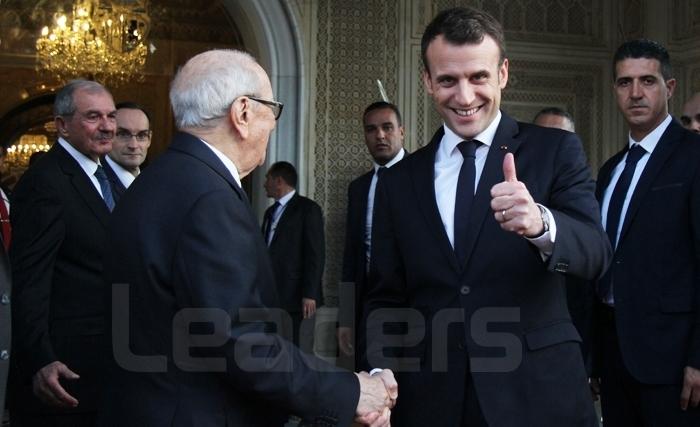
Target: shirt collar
{"points": [[650, 141], [228, 163], [450, 140], [286, 198], [86, 163], [397, 158], [124, 175]]}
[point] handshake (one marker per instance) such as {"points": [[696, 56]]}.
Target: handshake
{"points": [[378, 395]]}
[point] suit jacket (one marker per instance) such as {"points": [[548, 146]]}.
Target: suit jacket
{"points": [[499, 319], [297, 252], [5, 323], [59, 221], [196, 264], [118, 187], [655, 269]]}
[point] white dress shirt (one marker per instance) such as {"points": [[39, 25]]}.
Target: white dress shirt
{"points": [[228, 163], [448, 162], [277, 214], [124, 175], [86, 163]]}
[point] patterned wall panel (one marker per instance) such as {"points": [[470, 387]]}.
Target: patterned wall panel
{"points": [[357, 44], [686, 19]]}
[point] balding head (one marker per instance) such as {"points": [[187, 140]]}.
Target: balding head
{"points": [[206, 86], [691, 113]]}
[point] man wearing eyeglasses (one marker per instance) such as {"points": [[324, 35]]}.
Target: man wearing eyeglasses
{"points": [[130, 146], [200, 283], [61, 207]]}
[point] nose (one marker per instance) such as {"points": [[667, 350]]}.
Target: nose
{"points": [[695, 126], [465, 93], [381, 134], [636, 90]]}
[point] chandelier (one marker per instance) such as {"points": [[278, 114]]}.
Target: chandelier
{"points": [[104, 41]]}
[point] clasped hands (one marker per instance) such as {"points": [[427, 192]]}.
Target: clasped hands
{"points": [[512, 204], [378, 394]]}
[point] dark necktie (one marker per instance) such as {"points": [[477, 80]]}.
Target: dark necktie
{"points": [[617, 200], [5, 221], [269, 217], [105, 187], [464, 196]]}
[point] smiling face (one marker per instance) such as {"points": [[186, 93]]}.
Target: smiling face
{"points": [[642, 94], [383, 135], [90, 129], [465, 82]]}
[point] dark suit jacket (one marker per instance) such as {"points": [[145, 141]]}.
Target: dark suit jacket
{"points": [[59, 221], [502, 314], [190, 249], [354, 256], [298, 253], [118, 187], [656, 267], [5, 322]]}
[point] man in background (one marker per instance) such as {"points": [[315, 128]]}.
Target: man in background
{"points": [[690, 119], [130, 146], [293, 231], [384, 137], [555, 117]]}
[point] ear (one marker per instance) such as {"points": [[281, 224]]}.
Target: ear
{"points": [[61, 127], [503, 74], [427, 83], [239, 114], [670, 86], [402, 132]]}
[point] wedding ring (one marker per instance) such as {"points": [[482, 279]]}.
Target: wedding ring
{"points": [[503, 214]]}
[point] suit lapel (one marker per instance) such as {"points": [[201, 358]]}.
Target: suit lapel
{"points": [[363, 195], [505, 141], [289, 209], [82, 184], [666, 146], [423, 175], [605, 175]]}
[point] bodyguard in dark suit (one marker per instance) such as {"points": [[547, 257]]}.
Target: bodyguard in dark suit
{"points": [[384, 134], [60, 211], [192, 284], [293, 231], [648, 314], [470, 252], [5, 325]]}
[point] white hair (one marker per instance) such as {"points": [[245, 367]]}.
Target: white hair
{"points": [[206, 86]]}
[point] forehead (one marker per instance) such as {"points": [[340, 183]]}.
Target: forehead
{"points": [[448, 58], [551, 119], [636, 67], [129, 117], [381, 115], [93, 100]]}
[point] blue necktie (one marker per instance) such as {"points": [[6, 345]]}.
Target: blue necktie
{"points": [[105, 187], [617, 200], [269, 218], [464, 196]]}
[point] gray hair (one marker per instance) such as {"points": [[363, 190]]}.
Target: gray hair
{"points": [[206, 86], [64, 105]]}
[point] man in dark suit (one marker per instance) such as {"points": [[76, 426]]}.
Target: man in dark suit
{"points": [[293, 231], [130, 146], [190, 321], [5, 326], [60, 211], [384, 134], [470, 254], [648, 311]]}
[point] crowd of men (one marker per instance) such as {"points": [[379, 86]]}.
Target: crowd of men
{"points": [[487, 270]]}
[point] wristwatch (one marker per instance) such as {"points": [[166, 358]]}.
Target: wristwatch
{"points": [[545, 219]]}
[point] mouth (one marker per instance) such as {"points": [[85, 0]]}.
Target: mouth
{"points": [[466, 113]]}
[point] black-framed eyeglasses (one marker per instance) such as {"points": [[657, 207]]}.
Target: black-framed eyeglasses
{"points": [[125, 135], [275, 106]]}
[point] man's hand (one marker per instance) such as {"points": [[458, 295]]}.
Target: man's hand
{"points": [[513, 205], [378, 394], [308, 307], [48, 389], [691, 388], [345, 340]]}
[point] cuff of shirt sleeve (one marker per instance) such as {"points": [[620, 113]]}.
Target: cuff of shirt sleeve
{"points": [[545, 242]]}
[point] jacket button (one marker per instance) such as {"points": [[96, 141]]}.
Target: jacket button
{"points": [[465, 290], [4, 355], [4, 299]]}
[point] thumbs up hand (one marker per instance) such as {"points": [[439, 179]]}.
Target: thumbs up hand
{"points": [[512, 204]]}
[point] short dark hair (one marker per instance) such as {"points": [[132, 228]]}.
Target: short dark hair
{"points": [[286, 171], [463, 25], [134, 106], [644, 48], [555, 111], [380, 105]]}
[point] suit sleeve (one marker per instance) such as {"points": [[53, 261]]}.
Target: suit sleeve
{"points": [[694, 348], [314, 252], [232, 282], [582, 248], [38, 232]]}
